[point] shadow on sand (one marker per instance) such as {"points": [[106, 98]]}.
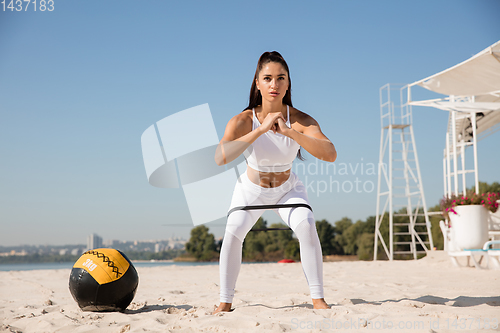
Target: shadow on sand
{"points": [[460, 301], [156, 307]]}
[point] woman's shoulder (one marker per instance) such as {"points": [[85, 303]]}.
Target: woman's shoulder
{"points": [[301, 116], [241, 121], [244, 116]]}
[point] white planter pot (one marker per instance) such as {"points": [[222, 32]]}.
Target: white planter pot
{"points": [[469, 227]]}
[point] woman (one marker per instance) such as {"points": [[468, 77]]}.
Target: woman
{"points": [[270, 133]]}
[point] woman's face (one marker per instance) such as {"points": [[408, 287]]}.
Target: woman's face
{"points": [[272, 81]]}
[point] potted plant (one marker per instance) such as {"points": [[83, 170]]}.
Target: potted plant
{"points": [[467, 216]]}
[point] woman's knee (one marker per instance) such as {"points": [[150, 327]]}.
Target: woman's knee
{"points": [[306, 231], [239, 224], [229, 239]]}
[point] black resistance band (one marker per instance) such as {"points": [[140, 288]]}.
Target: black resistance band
{"points": [[257, 207]]}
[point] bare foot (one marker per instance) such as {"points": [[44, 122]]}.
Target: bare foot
{"points": [[319, 303], [223, 307]]}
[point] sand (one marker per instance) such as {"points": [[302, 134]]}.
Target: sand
{"points": [[428, 295]]}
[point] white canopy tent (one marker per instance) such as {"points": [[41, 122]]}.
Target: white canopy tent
{"points": [[479, 75], [473, 89]]}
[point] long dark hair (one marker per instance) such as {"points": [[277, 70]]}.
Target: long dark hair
{"points": [[255, 98]]}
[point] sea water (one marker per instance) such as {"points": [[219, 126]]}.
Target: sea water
{"points": [[69, 265]]}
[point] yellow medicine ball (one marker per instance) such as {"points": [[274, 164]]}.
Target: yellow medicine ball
{"points": [[103, 280]]}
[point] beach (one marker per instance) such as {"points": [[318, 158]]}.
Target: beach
{"points": [[427, 295]]}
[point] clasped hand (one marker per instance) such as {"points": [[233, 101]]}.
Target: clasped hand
{"points": [[275, 122]]}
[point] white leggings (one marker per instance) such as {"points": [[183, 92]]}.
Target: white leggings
{"points": [[239, 223]]}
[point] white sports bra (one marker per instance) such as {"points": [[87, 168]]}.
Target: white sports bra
{"points": [[271, 152]]}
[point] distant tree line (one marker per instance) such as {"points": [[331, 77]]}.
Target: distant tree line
{"points": [[345, 237], [342, 238], [273, 245], [485, 187]]}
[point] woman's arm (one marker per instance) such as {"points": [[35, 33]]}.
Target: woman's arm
{"points": [[239, 135], [309, 136]]}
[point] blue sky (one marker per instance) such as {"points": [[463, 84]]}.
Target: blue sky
{"points": [[80, 84]]}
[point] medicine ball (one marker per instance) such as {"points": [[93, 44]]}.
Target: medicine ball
{"points": [[103, 280]]}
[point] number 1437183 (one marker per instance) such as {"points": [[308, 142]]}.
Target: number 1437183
{"points": [[25, 5]]}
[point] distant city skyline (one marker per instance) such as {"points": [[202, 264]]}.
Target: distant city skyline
{"points": [[94, 241]]}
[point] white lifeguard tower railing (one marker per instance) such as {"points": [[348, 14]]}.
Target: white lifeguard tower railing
{"points": [[400, 194]]}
